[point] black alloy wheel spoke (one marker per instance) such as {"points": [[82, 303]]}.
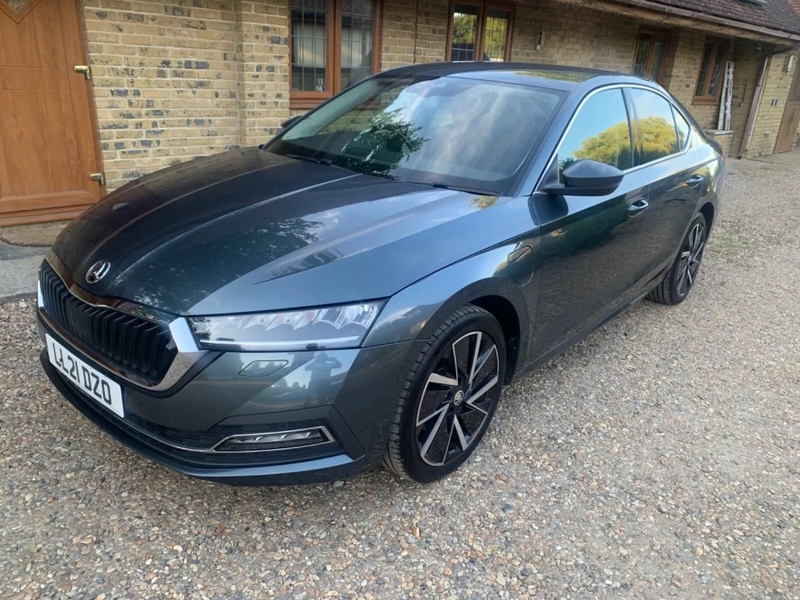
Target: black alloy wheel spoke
{"points": [[455, 401]]}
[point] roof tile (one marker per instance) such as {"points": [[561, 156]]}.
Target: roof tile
{"points": [[773, 14]]}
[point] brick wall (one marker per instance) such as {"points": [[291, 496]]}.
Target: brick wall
{"points": [[776, 87], [262, 56], [399, 25], [165, 82], [574, 36], [408, 37], [174, 80], [682, 79], [177, 79]]}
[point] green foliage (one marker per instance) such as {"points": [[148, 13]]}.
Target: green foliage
{"points": [[464, 28], [612, 146], [658, 137]]}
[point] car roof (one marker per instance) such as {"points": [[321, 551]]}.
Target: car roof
{"points": [[548, 76]]}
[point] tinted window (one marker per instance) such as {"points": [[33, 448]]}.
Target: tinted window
{"points": [[444, 130], [599, 132], [654, 124], [683, 129]]}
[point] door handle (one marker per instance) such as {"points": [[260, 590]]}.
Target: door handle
{"points": [[695, 180], [87, 72], [637, 207]]}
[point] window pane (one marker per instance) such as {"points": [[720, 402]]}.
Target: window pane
{"points": [[701, 80], [494, 37], [357, 28], [658, 57], [683, 129], [309, 45], [717, 72], [428, 130], [599, 132], [465, 32], [655, 125], [642, 50]]}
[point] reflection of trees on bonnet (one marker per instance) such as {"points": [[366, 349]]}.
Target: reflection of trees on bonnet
{"points": [[482, 202]]}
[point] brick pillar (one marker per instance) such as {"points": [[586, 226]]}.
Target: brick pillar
{"points": [[262, 56]]}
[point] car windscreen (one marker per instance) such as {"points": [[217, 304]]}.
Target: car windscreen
{"points": [[448, 131]]}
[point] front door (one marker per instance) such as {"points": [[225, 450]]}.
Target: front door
{"points": [[47, 132], [787, 134], [589, 244]]}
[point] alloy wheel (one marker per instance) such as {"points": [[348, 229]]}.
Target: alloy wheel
{"points": [[691, 255], [457, 399]]}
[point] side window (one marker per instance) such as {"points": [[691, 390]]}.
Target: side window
{"points": [[654, 126], [599, 132], [683, 129]]}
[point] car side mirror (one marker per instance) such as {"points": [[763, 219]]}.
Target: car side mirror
{"points": [[587, 178], [290, 122]]}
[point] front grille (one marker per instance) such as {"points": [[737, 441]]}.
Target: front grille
{"points": [[133, 344]]}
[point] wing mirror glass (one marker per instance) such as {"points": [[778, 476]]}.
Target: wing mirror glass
{"points": [[587, 178]]}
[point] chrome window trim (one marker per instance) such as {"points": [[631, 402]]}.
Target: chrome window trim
{"points": [[621, 86], [188, 352]]}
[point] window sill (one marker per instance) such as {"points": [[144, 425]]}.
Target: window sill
{"points": [[705, 101], [305, 104]]}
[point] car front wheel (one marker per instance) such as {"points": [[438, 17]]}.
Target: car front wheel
{"points": [[681, 277], [449, 397]]}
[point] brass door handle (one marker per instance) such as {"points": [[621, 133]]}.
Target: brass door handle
{"points": [[87, 72]]}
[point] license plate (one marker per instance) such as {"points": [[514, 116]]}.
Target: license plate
{"points": [[91, 381]]}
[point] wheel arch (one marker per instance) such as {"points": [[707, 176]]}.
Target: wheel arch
{"points": [[708, 211], [506, 314], [416, 312]]}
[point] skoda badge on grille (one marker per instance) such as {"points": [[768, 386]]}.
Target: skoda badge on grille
{"points": [[97, 271]]}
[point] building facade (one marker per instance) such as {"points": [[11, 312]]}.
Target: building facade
{"points": [[95, 93]]}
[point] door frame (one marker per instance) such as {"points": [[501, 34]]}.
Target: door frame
{"points": [[84, 44]]}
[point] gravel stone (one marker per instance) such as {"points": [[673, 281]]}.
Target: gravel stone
{"points": [[658, 458]]}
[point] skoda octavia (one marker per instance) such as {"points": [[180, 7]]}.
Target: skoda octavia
{"points": [[361, 288]]}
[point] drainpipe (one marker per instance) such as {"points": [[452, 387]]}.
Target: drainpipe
{"points": [[757, 95], [416, 23]]}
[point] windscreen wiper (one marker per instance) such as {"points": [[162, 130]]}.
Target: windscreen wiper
{"points": [[319, 161], [464, 188]]}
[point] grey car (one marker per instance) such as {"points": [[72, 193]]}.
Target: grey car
{"points": [[361, 288]]}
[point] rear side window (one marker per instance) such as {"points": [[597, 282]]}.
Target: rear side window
{"points": [[683, 128], [599, 132], [654, 126]]}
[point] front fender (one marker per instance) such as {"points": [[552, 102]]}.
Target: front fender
{"points": [[417, 311]]}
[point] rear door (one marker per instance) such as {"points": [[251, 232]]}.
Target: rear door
{"points": [[588, 244], [677, 181]]}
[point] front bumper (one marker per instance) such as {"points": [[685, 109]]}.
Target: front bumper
{"points": [[353, 396]]}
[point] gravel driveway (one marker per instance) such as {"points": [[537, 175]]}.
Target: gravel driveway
{"points": [[660, 457]]}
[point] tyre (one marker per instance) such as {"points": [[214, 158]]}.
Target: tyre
{"points": [[449, 397], [680, 279]]}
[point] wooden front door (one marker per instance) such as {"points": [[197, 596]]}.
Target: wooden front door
{"points": [[787, 134], [48, 138]]}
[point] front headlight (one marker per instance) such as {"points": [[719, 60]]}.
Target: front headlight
{"points": [[312, 329]]}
